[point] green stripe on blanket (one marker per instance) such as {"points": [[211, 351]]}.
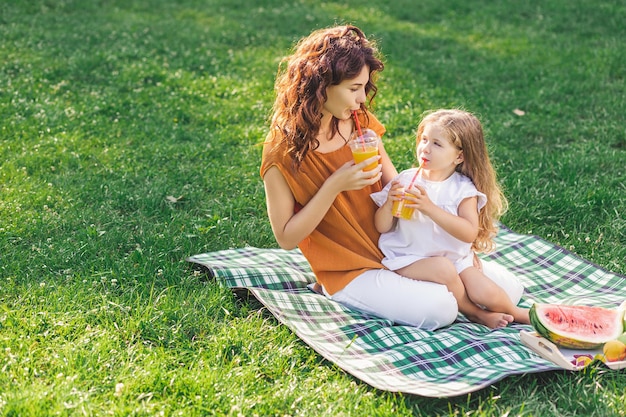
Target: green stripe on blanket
{"points": [[456, 360]]}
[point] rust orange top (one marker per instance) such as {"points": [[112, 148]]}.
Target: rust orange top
{"points": [[345, 243]]}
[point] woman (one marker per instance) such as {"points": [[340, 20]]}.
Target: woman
{"points": [[318, 199]]}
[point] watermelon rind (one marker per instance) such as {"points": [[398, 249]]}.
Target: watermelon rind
{"points": [[577, 327]]}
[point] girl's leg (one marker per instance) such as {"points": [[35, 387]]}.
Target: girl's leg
{"points": [[504, 279], [442, 271], [483, 291]]}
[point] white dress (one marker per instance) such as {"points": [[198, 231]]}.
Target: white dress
{"points": [[420, 237]]}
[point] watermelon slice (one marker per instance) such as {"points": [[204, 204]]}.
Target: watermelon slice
{"points": [[577, 327]]}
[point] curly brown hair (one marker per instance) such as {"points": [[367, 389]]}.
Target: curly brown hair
{"points": [[324, 58], [466, 133]]}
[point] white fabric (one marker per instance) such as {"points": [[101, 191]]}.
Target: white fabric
{"points": [[420, 237], [504, 279], [384, 293]]}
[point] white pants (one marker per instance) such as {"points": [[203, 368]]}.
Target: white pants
{"points": [[505, 280], [422, 304]]}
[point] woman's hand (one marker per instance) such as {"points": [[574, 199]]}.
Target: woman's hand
{"points": [[351, 176], [289, 227]]}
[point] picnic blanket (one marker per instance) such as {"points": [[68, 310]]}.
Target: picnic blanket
{"points": [[458, 359]]}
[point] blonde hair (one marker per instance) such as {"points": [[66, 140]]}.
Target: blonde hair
{"points": [[466, 132]]}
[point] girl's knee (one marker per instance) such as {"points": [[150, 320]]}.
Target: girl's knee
{"points": [[446, 272]]}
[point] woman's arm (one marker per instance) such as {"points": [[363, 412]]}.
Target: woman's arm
{"points": [[389, 170], [291, 228]]}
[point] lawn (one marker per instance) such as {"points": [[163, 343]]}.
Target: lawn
{"points": [[130, 139]]}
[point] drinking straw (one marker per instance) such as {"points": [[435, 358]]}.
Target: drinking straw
{"points": [[415, 177], [358, 128], [358, 125]]}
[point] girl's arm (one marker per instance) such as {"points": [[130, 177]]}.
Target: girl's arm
{"points": [[383, 218], [463, 226], [291, 228]]}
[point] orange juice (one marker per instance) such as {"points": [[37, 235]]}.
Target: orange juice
{"points": [[364, 146], [362, 153], [407, 212], [398, 210]]}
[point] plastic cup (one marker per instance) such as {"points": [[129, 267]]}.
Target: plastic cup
{"points": [[398, 210], [364, 147]]}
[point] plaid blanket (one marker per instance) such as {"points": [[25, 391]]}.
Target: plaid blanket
{"points": [[458, 359]]}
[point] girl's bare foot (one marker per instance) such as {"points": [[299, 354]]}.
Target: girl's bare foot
{"points": [[491, 319], [521, 315]]}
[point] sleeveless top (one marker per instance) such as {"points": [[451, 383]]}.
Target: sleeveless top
{"points": [[345, 243]]}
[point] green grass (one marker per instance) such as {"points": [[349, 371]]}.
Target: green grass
{"points": [[129, 141]]}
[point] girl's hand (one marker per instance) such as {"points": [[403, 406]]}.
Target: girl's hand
{"points": [[463, 226], [384, 219], [417, 198], [396, 192]]}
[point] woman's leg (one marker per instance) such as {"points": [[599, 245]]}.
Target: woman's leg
{"points": [[442, 271], [385, 294], [504, 279]]}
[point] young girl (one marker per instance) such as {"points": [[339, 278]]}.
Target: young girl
{"points": [[457, 202], [318, 198]]}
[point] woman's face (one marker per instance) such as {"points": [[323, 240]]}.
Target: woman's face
{"points": [[347, 96]]}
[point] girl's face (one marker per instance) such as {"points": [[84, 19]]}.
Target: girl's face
{"points": [[347, 96], [435, 150]]}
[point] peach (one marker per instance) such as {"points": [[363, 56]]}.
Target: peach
{"points": [[614, 350]]}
